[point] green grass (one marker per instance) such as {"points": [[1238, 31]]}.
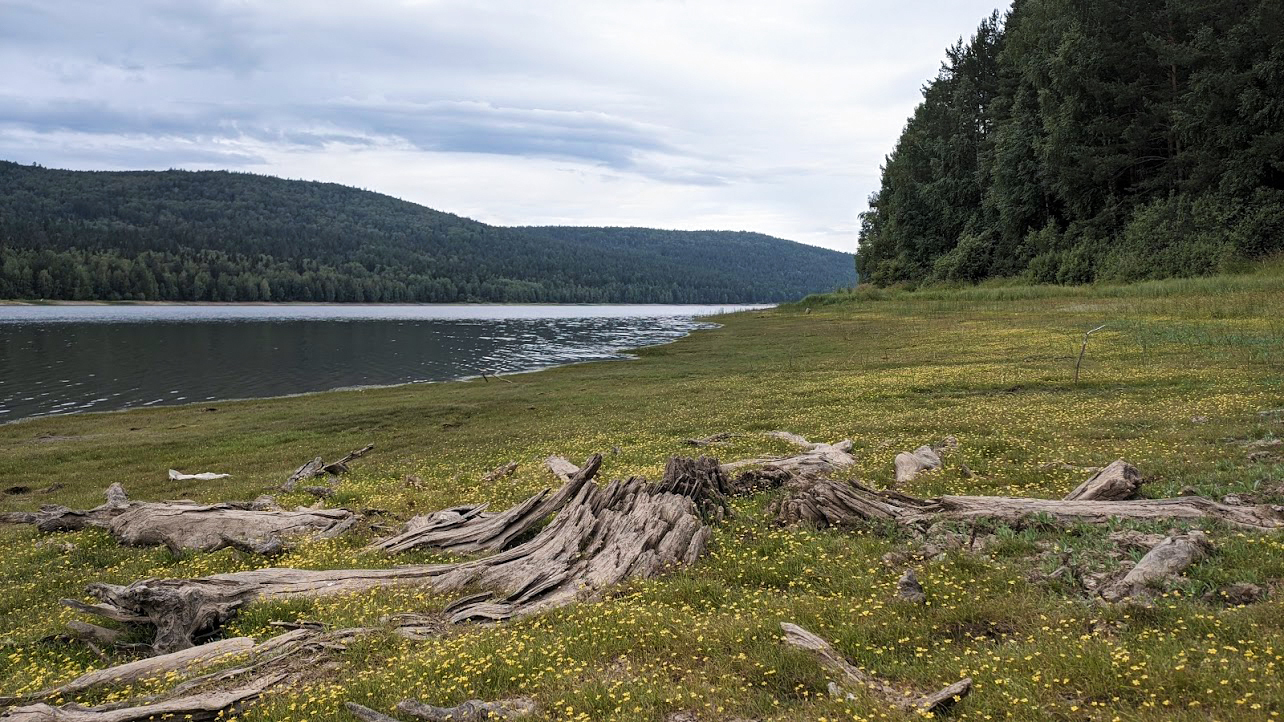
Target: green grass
{"points": [[1174, 384]]}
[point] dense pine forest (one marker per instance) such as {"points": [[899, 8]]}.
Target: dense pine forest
{"points": [[1080, 140], [218, 236]]}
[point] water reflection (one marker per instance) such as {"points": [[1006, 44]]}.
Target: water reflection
{"points": [[96, 358]]}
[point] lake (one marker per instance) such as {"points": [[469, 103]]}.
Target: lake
{"points": [[65, 359]]}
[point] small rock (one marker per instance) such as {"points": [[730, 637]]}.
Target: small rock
{"points": [[320, 492], [1199, 419], [1188, 491], [413, 482], [909, 589], [966, 471]]}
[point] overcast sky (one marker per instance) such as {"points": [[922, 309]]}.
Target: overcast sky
{"points": [[769, 116]]}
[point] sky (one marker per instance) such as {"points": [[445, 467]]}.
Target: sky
{"points": [[761, 115]]}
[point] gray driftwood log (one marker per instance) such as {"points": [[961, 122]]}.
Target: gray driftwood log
{"points": [[470, 529], [934, 702], [604, 535], [180, 525], [814, 460], [1117, 482], [317, 467], [835, 503]]}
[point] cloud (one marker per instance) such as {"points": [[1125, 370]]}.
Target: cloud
{"points": [[743, 114]]}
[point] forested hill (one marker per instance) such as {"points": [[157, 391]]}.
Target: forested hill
{"points": [[220, 236], [1078, 140]]}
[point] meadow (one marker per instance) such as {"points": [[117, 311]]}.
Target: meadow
{"points": [[1186, 381]]}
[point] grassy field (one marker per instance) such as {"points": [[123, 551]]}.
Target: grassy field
{"points": [[1184, 377]]}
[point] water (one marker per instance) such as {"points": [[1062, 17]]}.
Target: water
{"points": [[65, 359]]}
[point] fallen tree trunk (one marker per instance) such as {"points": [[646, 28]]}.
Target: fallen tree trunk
{"points": [[470, 529], [198, 707], [816, 460], [186, 524], [1117, 482], [828, 657], [834, 503], [603, 536]]}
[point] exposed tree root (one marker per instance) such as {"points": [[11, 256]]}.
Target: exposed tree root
{"points": [[816, 460], [317, 467], [933, 703], [603, 536], [470, 529], [835, 503]]}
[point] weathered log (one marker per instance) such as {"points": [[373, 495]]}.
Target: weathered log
{"points": [[816, 460], [197, 707], [470, 529], [833, 503], [828, 657], [1166, 561], [561, 467], [474, 710], [604, 535], [77, 629], [175, 475], [710, 440], [317, 467], [1117, 482], [502, 471], [910, 464], [53, 517], [186, 524], [366, 714]]}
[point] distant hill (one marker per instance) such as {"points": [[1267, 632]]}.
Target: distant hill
{"points": [[221, 236]]}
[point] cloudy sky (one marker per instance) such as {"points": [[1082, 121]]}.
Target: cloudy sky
{"points": [[763, 115]]}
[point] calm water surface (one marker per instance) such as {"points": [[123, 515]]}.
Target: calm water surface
{"points": [[63, 359]]}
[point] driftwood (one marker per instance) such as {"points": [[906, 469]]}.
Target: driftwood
{"points": [[816, 460], [52, 517], [701, 480], [828, 657], [710, 440], [604, 535], [198, 707], [561, 467], [469, 529], [203, 476], [188, 525], [910, 464], [1117, 482], [1166, 561], [833, 503], [317, 467], [500, 472]]}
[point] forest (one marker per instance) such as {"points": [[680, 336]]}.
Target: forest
{"points": [[1073, 141], [220, 236]]}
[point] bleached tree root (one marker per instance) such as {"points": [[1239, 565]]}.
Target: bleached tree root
{"points": [[316, 467], [470, 529], [835, 503], [604, 535], [188, 525], [1166, 561], [1117, 482], [197, 707], [934, 702], [816, 460]]}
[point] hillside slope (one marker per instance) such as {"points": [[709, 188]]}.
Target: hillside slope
{"points": [[220, 236]]}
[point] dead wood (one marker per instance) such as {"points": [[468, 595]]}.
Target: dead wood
{"points": [[910, 464], [604, 535], [316, 467], [702, 480], [175, 475], [470, 529], [84, 631], [1117, 482], [710, 440], [257, 526], [828, 657], [502, 471], [366, 714], [474, 710], [1165, 562], [197, 707], [816, 460], [832, 503], [561, 467]]}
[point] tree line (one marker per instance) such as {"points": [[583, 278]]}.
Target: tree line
{"points": [[218, 236], [1070, 141]]}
